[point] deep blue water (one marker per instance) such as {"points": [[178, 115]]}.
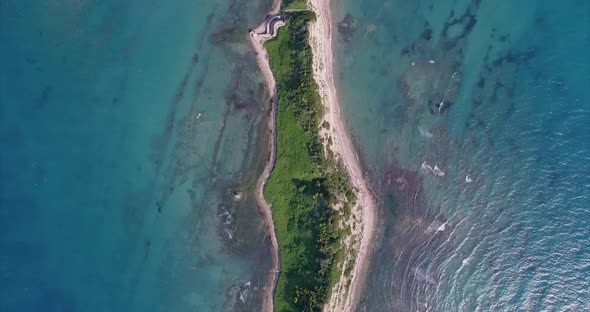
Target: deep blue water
{"points": [[124, 128], [485, 199]]}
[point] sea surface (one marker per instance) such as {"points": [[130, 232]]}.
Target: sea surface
{"points": [[126, 130], [473, 122], [128, 127]]}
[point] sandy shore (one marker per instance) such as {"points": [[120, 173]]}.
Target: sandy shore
{"points": [[321, 45], [258, 37]]}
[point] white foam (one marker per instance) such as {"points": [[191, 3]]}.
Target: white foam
{"points": [[424, 133], [437, 171], [245, 291], [423, 276], [433, 227], [468, 179], [464, 263]]}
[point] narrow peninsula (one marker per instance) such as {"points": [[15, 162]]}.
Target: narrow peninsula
{"points": [[312, 192]]}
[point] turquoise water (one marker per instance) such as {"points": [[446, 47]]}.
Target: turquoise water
{"points": [[485, 198], [125, 128]]}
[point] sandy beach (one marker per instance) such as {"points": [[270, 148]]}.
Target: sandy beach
{"points": [[321, 45]]}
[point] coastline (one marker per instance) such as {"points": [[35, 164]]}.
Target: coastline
{"points": [[258, 37], [321, 45], [346, 293]]}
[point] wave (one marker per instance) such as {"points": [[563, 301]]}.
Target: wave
{"points": [[436, 170]]}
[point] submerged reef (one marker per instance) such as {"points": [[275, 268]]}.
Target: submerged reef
{"points": [[347, 27]]}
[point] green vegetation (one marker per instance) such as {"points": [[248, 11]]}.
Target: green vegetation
{"points": [[305, 182], [294, 5]]}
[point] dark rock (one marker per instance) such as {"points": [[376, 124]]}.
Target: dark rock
{"points": [[427, 34], [347, 27]]}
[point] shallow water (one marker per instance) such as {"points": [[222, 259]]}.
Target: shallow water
{"points": [[125, 127], [486, 197]]}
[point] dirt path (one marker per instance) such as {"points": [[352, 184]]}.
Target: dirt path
{"points": [[258, 37]]}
